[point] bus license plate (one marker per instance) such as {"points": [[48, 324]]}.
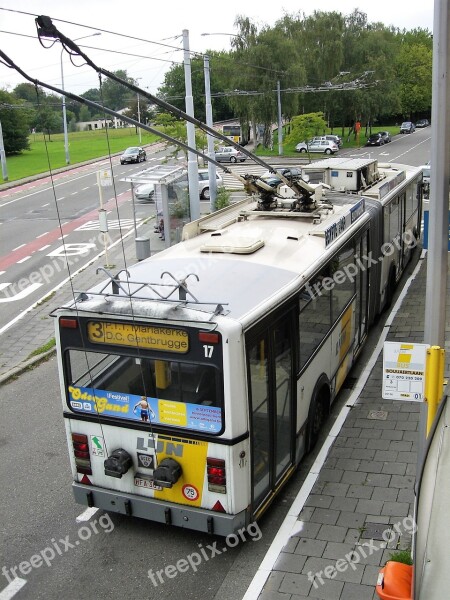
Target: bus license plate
{"points": [[145, 483]]}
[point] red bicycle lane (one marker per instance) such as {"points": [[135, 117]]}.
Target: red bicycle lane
{"points": [[48, 238]]}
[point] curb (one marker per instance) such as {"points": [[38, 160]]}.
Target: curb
{"points": [[26, 365]]}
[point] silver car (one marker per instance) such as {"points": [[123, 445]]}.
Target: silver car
{"points": [[229, 154], [319, 145], [203, 183]]}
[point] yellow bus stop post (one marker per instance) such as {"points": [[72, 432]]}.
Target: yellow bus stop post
{"points": [[434, 382]]}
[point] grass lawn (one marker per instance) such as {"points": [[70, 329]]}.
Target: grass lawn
{"points": [[45, 155]]}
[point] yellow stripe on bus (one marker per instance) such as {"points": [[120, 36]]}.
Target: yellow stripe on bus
{"points": [[189, 488]]}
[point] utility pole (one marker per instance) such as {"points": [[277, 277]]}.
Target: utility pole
{"points": [[3, 156], [280, 124], [194, 201], [437, 267], [209, 137]]}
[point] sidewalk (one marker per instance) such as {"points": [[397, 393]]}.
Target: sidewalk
{"points": [[360, 493]]}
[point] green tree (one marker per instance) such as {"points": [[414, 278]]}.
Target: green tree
{"points": [[414, 74], [16, 118], [85, 114], [176, 129], [349, 69], [27, 92], [116, 95], [304, 127], [47, 120]]}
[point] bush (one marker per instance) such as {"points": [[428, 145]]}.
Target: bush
{"points": [[222, 198]]}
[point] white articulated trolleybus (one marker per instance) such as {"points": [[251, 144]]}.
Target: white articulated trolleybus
{"points": [[194, 381]]}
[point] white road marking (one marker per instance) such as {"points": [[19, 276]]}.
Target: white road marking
{"points": [[11, 590], [42, 234], [86, 515], [44, 247], [21, 246], [23, 260], [23, 294]]}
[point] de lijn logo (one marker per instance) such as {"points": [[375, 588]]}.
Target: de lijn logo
{"points": [[160, 446]]}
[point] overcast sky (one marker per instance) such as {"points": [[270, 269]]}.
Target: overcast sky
{"points": [[155, 21]]}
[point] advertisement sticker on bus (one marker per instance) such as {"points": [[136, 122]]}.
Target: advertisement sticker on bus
{"points": [[141, 408]]}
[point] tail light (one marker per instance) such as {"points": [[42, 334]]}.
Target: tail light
{"points": [[215, 470], [80, 444]]}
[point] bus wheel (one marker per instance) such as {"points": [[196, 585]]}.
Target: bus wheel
{"points": [[318, 413]]}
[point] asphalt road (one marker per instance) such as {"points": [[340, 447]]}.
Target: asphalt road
{"points": [[38, 517]]}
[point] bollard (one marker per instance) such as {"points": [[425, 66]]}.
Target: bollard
{"points": [[142, 248], [434, 382]]}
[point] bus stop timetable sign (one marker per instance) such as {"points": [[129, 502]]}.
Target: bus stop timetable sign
{"points": [[404, 371]]}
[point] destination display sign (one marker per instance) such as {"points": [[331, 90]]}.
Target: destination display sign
{"points": [[138, 336], [340, 226]]}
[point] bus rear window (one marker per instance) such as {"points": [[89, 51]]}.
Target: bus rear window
{"points": [[162, 392]]}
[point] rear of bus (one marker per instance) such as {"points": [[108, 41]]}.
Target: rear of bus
{"points": [[148, 418]]}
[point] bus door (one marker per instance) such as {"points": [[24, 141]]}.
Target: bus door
{"points": [[362, 287], [270, 355]]}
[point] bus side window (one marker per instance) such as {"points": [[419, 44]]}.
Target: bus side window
{"points": [[343, 273], [315, 315]]}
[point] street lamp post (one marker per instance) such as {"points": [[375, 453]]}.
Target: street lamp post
{"points": [[66, 137]]}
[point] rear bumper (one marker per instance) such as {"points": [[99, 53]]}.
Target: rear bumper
{"points": [[162, 512]]}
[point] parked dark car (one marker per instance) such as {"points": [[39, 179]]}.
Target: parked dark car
{"points": [[135, 154], [274, 181], [407, 127], [422, 123], [376, 139]]}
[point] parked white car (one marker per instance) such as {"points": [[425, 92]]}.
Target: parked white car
{"points": [[318, 145], [146, 191]]}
